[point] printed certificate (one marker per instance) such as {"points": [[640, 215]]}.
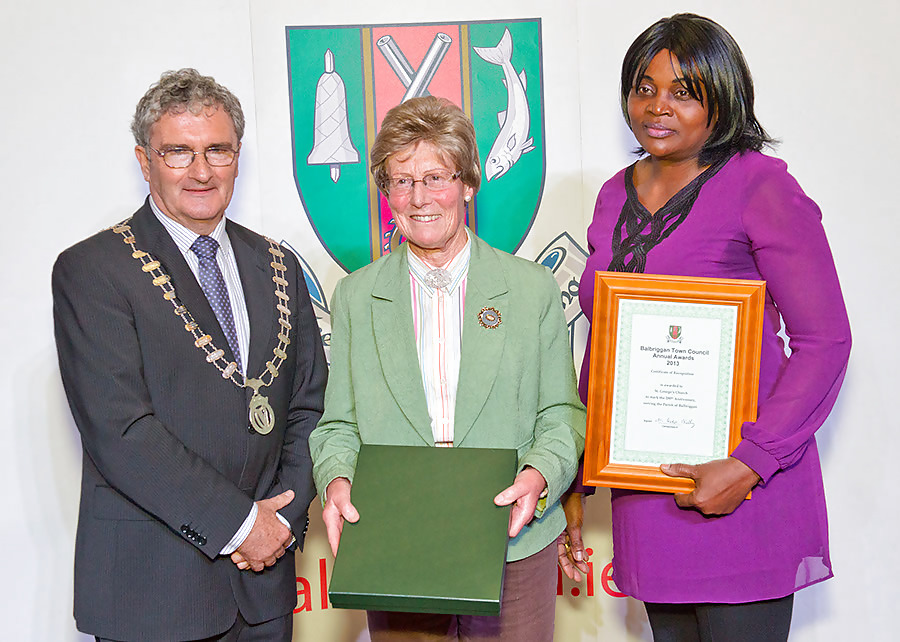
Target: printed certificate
{"points": [[674, 374]]}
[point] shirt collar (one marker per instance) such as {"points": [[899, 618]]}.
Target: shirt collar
{"points": [[458, 267], [184, 237]]}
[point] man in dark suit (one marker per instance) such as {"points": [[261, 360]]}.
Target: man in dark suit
{"points": [[193, 366]]}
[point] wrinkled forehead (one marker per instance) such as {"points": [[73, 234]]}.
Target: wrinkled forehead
{"points": [[204, 119], [421, 151]]}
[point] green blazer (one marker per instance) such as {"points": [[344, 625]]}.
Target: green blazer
{"points": [[516, 381]]}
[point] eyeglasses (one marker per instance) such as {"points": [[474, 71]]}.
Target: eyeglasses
{"points": [[435, 181], [180, 158]]}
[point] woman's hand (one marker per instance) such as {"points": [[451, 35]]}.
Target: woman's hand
{"points": [[524, 495], [337, 509], [722, 484], [572, 556]]}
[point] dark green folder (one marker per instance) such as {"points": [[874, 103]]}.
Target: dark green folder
{"points": [[429, 538]]}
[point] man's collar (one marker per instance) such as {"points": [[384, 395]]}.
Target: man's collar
{"points": [[183, 236]]}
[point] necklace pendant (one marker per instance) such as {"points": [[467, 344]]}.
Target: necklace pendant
{"points": [[262, 417]]}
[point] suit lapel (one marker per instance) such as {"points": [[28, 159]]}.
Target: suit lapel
{"points": [[482, 348], [259, 294], [152, 237], [396, 343]]}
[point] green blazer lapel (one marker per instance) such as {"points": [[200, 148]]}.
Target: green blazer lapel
{"points": [[482, 348], [259, 294], [395, 342]]}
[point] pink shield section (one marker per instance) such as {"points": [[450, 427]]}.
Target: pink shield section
{"points": [[413, 42]]}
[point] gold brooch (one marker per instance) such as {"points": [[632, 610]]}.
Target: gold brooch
{"points": [[489, 318]]}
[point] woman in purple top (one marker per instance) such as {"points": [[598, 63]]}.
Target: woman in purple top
{"points": [[703, 201]]}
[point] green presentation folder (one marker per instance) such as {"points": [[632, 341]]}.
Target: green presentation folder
{"points": [[429, 538]]}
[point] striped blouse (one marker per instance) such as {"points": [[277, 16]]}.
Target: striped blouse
{"points": [[438, 321]]}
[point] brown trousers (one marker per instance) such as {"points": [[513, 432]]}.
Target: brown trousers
{"points": [[526, 613]]}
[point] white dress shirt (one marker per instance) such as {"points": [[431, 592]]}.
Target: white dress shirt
{"points": [[184, 238]]}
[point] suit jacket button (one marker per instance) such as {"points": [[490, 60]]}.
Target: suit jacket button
{"points": [[184, 529], [201, 540]]}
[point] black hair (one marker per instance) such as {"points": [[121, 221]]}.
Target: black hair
{"points": [[711, 63]]}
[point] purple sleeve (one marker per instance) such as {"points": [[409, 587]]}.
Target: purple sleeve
{"points": [[791, 252], [586, 296]]}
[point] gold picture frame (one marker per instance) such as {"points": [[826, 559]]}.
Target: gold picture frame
{"points": [[668, 397]]}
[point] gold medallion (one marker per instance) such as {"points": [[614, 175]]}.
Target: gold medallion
{"points": [[262, 417]]}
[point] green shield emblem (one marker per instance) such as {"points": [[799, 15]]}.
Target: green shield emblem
{"points": [[344, 79]]}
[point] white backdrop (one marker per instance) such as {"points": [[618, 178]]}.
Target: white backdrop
{"points": [[71, 74]]}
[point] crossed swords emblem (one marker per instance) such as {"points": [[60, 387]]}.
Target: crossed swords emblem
{"points": [[415, 81]]}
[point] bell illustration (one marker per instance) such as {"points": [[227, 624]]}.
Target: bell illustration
{"points": [[332, 145]]}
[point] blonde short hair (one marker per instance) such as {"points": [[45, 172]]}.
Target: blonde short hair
{"points": [[434, 120]]}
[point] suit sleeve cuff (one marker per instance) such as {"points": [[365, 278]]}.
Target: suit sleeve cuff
{"points": [[241, 534], [287, 524]]}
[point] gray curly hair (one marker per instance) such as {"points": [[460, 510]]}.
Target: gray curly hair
{"points": [[180, 91]]}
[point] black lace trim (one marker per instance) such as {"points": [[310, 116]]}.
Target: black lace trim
{"points": [[631, 238]]}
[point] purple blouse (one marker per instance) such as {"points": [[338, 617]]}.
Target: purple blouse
{"points": [[750, 221]]}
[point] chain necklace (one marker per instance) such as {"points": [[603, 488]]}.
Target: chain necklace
{"points": [[262, 417]]}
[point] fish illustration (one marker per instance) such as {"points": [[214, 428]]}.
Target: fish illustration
{"points": [[515, 121]]}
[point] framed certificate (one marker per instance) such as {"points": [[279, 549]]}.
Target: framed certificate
{"points": [[674, 373]]}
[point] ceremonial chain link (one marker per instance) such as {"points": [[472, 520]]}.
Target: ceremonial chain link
{"points": [[203, 341]]}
